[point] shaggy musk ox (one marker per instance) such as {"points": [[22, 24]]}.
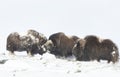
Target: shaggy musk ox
{"points": [[60, 45], [15, 42], [90, 48], [38, 40], [110, 51]]}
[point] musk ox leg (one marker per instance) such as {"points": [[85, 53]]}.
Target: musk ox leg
{"points": [[98, 60], [11, 53], [29, 53], [109, 61]]}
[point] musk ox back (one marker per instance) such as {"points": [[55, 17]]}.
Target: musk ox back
{"points": [[74, 38], [37, 37], [62, 45], [93, 49]]}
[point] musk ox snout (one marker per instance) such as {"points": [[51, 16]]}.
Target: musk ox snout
{"points": [[78, 49], [48, 46], [115, 55]]}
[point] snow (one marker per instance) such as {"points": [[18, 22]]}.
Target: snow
{"points": [[47, 65]]}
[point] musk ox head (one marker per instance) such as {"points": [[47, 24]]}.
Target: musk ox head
{"points": [[74, 38], [48, 46], [78, 49]]}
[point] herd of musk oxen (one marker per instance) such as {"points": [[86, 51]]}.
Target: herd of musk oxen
{"points": [[84, 49]]}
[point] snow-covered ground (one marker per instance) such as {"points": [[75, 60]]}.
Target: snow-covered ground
{"points": [[48, 65]]}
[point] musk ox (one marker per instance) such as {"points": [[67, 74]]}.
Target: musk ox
{"points": [[38, 40], [15, 42], [90, 48], [60, 45], [108, 51]]}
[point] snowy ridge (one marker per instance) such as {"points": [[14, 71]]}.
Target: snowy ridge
{"points": [[48, 65]]}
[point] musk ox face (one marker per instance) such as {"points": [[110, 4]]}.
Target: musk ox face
{"points": [[78, 49], [48, 46], [74, 38], [93, 49]]}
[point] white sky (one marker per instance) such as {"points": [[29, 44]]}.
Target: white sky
{"points": [[74, 17]]}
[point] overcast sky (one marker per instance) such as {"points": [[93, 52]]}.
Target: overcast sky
{"points": [[73, 17]]}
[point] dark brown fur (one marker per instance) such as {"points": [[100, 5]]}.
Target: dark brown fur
{"points": [[74, 38], [15, 42], [93, 49], [108, 51], [38, 40], [62, 44], [78, 50]]}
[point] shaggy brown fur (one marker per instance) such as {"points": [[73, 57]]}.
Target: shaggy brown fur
{"points": [[62, 44], [15, 42], [78, 50], [93, 49], [37, 37], [108, 51]]}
